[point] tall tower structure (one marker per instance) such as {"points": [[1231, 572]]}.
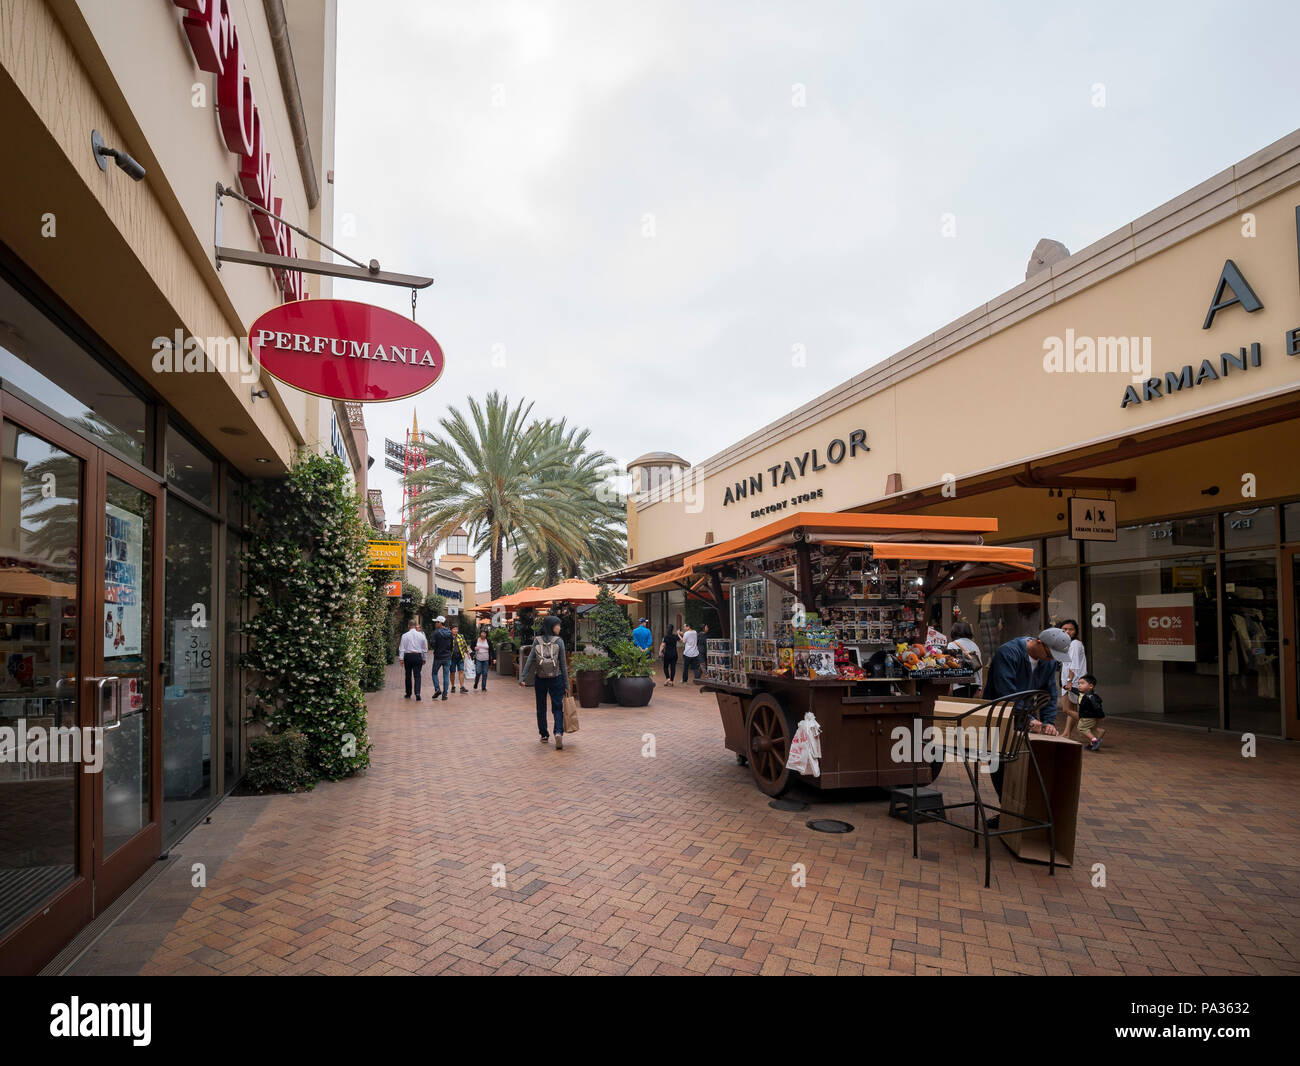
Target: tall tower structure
{"points": [[413, 459]]}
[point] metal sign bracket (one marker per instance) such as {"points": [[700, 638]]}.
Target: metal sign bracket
{"points": [[357, 272]]}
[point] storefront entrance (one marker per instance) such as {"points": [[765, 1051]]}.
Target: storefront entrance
{"points": [[80, 708]]}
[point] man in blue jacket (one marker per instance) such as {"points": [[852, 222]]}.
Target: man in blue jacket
{"points": [[1027, 663], [641, 636], [1021, 665]]}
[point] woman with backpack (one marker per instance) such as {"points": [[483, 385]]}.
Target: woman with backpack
{"points": [[547, 669]]}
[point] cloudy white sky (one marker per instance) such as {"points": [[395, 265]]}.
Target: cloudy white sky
{"points": [[632, 222]]}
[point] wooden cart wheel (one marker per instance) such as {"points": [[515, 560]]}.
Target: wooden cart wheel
{"points": [[768, 732]]}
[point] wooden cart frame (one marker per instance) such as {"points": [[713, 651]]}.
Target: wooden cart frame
{"points": [[867, 727]]}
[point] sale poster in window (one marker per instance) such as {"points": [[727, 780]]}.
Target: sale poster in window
{"points": [[191, 656], [123, 582], [1167, 627]]}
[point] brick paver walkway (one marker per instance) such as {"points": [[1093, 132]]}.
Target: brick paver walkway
{"points": [[619, 863]]}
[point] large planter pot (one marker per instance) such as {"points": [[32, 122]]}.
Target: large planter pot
{"points": [[505, 660], [634, 691], [591, 685]]}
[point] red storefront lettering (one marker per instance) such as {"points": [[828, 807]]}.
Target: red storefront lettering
{"points": [[214, 41]]}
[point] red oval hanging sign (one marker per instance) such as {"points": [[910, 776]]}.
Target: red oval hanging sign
{"points": [[344, 350]]}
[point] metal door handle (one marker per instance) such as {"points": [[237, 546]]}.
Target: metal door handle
{"points": [[116, 682]]}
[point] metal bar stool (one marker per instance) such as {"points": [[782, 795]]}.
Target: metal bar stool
{"points": [[1006, 740]]}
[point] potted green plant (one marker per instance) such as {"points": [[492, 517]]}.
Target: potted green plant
{"points": [[590, 673], [499, 638], [632, 671]]}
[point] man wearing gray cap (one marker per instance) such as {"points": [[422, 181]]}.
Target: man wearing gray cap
{"points": [[1027, 663], [1021, 665]]}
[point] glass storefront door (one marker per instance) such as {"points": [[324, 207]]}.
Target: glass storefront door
{"points": [[78, 702]]}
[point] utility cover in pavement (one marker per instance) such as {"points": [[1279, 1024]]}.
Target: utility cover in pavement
{"points": [[830, 825]]}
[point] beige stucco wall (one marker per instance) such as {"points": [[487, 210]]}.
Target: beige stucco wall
{"points": [[135, 260], [975, 397]]}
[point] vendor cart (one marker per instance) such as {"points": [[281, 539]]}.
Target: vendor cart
{"points": [[828, 614]]}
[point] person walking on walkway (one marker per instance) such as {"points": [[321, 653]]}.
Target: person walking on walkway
{"points": [[690, 654], [668, 652], [1071, 672], [414, 647], [547, 670], [642, 637], [483, 656], [458, 659], [443, 647]]}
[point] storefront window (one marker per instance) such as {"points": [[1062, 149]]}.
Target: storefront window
{"points": [[1000, 613], [1063, 599], [1154, 539], [40, 527], [1291, 521], [1062, 551], [1250, 634], [1155, 652], [187, 700], [188, 469], [39, 359], [676, 609], [1250, 528], [233, 712]]}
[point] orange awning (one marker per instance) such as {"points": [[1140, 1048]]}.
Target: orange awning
{"points": [[781, 532], [1016, 558], [671, 577]]}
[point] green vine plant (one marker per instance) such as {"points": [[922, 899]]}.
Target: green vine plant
{"points": [[305, 568]]}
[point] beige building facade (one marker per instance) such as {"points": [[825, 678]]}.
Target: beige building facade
{"points": [[133, 429], [1156, 370]]}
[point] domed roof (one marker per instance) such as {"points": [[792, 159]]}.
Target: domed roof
{"points": [[658, 459]]}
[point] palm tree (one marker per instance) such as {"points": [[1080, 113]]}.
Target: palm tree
{"points": [[596, 528], [499, 475]]}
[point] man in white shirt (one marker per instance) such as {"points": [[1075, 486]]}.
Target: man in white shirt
{"points": [[413, 648], [1071, 672], [690, 653]]}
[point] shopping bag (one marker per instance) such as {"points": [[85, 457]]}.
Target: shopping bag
{"points": [[806, 748], [570, 713], [814, 731]]}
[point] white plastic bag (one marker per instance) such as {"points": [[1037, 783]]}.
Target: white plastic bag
{"points": [[806, 747]]}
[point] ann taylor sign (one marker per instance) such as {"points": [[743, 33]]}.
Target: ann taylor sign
{"points": [[811, 462]]}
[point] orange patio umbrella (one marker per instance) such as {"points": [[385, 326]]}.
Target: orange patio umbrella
{"points": [[570, 590], [510, 602]]}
